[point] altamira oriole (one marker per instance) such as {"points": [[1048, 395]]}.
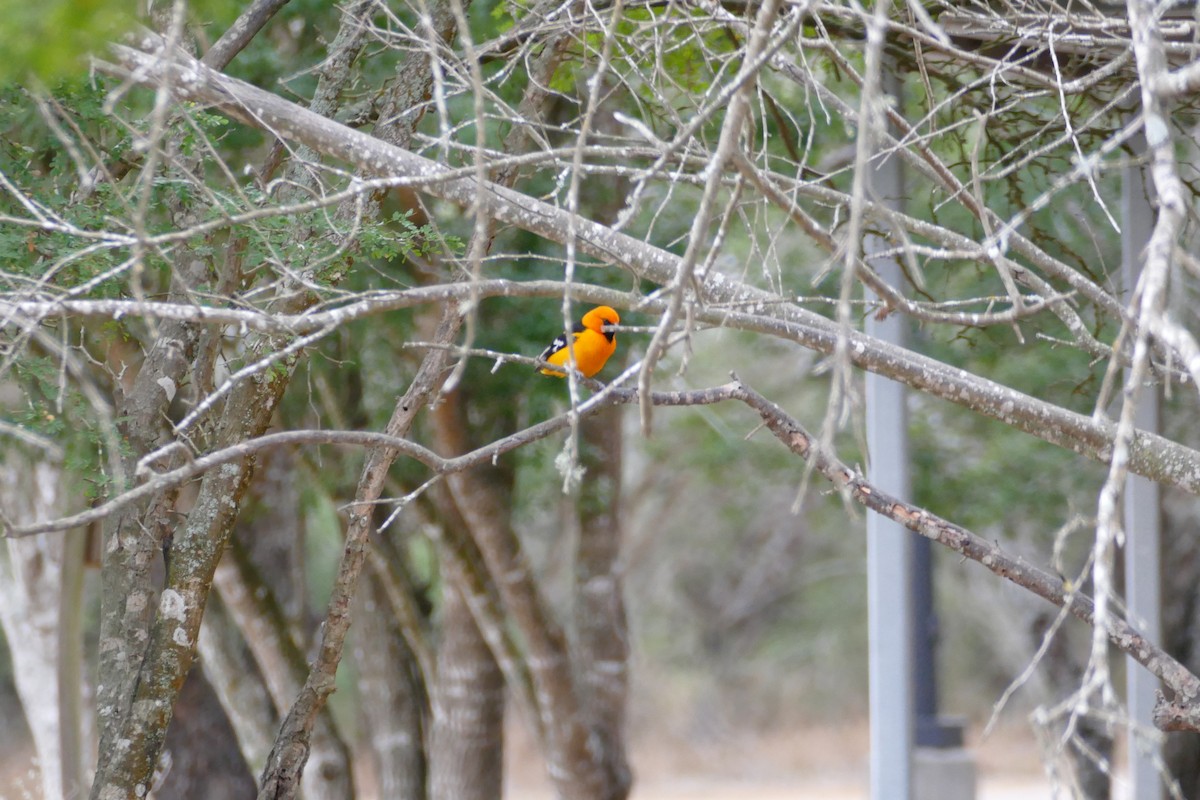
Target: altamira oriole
{"points": [[593, 345]]}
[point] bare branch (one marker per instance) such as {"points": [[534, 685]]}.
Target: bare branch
{"points": [[1151, 456], [244, 29], [1183, 712]]}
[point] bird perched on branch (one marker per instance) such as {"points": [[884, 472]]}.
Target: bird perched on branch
{"points": [[592, 344]]}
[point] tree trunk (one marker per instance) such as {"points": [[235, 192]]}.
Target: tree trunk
{"points": [[271, 534], [134, 537], [392, 692], [601, 628], [467, 748], [252, 605], [260, 580], [1181, 624], [467, 741], [482, 496], [31, 612], [230, 669], [1090, 748], [214, 770]]}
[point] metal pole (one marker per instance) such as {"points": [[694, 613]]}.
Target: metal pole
{"points": [[931, 730], [889, 623], [1143, 520]]}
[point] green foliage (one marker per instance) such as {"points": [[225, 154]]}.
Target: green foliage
{"points": [[50, 173], [399, 237], [51, 39], [61, 413]]}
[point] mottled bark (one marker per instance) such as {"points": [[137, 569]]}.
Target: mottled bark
{"points": [[132, 538], [578, 700], [406, 96], [241, 32], [126, 772], [143, 668]]}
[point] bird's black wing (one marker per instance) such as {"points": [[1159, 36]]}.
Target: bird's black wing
{"points": [[559, 343]]}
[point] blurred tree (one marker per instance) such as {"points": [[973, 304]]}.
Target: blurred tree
{"points": [[264, 307]]}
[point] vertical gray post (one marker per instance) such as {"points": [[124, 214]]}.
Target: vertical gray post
{"points": [[1143, 521], [889, 623]]}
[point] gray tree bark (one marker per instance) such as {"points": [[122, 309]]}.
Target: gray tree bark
{"points": [[252, 604], [392, 692], [601, 628], [215, 770], [32, 586], [467, 741], [231, 671], [467, 738]]}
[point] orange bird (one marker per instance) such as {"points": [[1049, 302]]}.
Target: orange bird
{"points": [[592, 344]]}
